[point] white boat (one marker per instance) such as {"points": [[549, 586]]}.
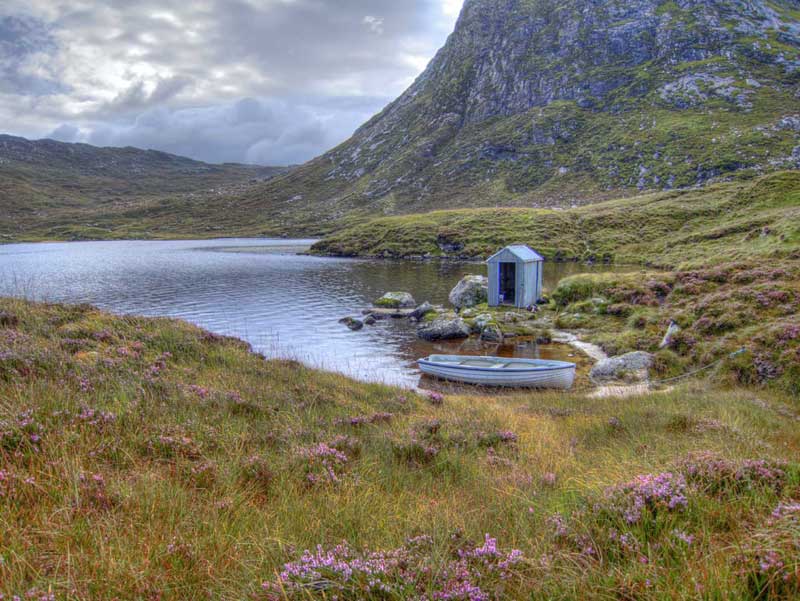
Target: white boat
{"points": [[500, 371]]}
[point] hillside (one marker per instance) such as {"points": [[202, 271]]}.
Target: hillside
{"points": [[227, 466], [58, 190], [530, 103], [732, 221], [544, 103]]}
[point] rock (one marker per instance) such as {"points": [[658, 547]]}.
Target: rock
{"points": [[370, 320], [396, 300], [673, 329], [468, 313], [444, 329], [633, 366], [492, 333], [481, 321], [352, 323], [422, 311], [790, 122], [472, 290]]}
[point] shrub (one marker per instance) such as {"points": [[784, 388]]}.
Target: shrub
{"points": [[469, 573], [716, 475]]}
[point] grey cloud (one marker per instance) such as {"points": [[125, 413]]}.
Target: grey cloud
{"points": [[250, 130], [265, 81], [136, 98], [65, 133], [22, 38]]}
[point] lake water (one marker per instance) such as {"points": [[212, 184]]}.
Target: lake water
{"points": [[283, 303]]}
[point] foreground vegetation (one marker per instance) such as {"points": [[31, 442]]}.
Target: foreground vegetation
{"points": [[147, 459], [682, 228]]}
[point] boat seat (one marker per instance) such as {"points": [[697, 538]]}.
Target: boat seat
{"points": [[484, 364]]}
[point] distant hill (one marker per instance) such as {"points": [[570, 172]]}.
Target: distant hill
{"points": [[55, 189], [555, 103]]}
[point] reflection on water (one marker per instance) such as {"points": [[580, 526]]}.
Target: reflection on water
{"points": [[284, 304]]}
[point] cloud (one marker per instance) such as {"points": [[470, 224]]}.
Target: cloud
{"points": [[375, 24], [65, 133], [269, 81], [25, 47]]}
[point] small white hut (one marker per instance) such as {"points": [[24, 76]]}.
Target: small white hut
{"points": [[515, 277]]}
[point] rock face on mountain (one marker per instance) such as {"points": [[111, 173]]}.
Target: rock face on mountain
{"points": [[563, 102]]}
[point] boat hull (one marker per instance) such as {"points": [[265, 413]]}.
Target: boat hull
{"points": [[520, 373]]}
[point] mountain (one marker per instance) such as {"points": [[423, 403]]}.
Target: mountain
{"points": [[554, 103], [54, 189], [530, 103]]}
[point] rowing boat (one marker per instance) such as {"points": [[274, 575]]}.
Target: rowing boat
{"points": [[500, 371]]}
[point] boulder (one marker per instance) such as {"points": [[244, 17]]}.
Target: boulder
{"points": [[480, 322], [352, 323], [370, 320], [472, 290], [444, 329], [422, 311], [633, 366], [673, 329], [396, 300], [492, 333]]}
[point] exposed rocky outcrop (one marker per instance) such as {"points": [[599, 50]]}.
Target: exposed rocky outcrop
{"points": [[529, 97]]}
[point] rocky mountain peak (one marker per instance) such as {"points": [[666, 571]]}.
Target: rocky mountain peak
{"points": [[564, 102]]}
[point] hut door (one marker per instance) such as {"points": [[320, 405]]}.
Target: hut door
{"points": [[508, 283]]}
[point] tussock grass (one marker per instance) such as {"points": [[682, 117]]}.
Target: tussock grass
{"points": [[147, 459], [735, 221]]}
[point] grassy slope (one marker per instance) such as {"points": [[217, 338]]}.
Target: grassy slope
{"points": [[720, 309], [193, 483], [51, 190], [665, 229]]}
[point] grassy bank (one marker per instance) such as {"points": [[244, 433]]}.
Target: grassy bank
{"points": [[719, 310], [689, 227], [147, 459]]}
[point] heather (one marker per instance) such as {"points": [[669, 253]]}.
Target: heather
{"points": [[719, 310], [148, 459]]}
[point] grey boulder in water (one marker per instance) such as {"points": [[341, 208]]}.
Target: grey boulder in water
{"points": [[352, 323], [472, 290], [396, 300]]}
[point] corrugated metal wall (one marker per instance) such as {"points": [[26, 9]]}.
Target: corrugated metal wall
{"points": [[529, 280], [494, 284]]}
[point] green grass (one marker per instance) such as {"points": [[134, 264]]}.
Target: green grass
{"points": [[690, 227], [193, 483], [720, 310]]}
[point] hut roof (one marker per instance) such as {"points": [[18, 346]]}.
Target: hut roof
{"points": [[520, 251]]}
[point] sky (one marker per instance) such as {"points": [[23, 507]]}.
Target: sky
{"points": [[270, 82]]}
